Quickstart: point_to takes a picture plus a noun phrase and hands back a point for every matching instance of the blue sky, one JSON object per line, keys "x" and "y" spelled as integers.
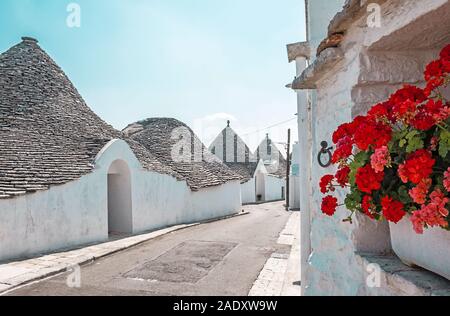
{"x": 200, "y": 61}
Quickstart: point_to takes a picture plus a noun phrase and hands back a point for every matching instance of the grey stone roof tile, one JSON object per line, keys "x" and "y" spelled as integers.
{"x": 48, "y": 134}
{"x": 203, "y": 169}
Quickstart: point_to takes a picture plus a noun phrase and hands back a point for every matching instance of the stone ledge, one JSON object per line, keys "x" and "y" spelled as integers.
{"x": 301, "y": 49}
{"x": 318, "y": 69}
{"x": 402, "y": 279}
{"x": 351, "y": 12}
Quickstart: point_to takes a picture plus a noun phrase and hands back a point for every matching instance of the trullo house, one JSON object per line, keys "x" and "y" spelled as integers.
{"x": 262, "y": 174}
{"x": 68, "y": 178}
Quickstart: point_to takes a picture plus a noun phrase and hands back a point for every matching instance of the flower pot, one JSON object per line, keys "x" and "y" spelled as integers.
{"x": 430, "y": 251}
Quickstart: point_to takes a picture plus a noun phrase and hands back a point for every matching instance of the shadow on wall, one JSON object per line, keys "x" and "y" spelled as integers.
{"x": 120, "y": 219}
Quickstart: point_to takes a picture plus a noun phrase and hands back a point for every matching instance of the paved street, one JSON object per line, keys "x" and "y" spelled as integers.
{"x": 218, "y": 258}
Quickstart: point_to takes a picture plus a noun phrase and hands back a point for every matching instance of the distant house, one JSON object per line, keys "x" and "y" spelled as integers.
{"x": 68, "y": 178}
{"x": 275, "y": 164}
{"x": 261, "y": 174}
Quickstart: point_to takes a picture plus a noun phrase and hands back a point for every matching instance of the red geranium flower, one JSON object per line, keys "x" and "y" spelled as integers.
{"x": 325, "y": 184}
{"x": 367, "y": 206}
{"x": 372, "y": 134}
{"x": 381, "y": 111}
{"x": 368, "y": 180}
{"x": 344, "y": 149}
{"x": 418, "y": 166}
{"x": 419, "y": 193}
{"x": 445, "y": 53}
{"x": 406, "y": 100}
{"x": 342, "y": 176}
{"x": 329, "y": 205}
{"x": 392, "y": 210}
{"x": 345, "y": 130}
{"x": 434, "y": 70}
{"x": 431, "y": 113}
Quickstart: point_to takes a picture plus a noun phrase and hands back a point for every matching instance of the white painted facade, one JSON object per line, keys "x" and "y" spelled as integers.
{"x": 77, "y": 213}
{"x": 294, "y": 179}
{"x": 275, "y": 188}
{"x": 248, "y": 191}
{"x": 374, "y": 63}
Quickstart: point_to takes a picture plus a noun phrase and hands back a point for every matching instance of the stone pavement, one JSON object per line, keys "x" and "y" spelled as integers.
{"x": 281, "y": 273}
{"x": 14, "y": 274}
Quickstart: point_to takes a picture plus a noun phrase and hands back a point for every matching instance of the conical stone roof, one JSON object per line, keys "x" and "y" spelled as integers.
{"x": 267, "y": 151}
{"x": 199, "y": 168}
{"x": 243, "y": 163}
{"x": 48, "y": 135}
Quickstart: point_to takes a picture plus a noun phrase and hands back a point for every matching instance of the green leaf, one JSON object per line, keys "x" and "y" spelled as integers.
{"x": 414, "y": 144}
{"x": 403, "y": 143}
{"x": 403, "y": 195}
{"x": 444, "y": 144}
{"x": 359, "y": 161}
{"x": 415, "y": 141}
{"x": 353, "y": 200}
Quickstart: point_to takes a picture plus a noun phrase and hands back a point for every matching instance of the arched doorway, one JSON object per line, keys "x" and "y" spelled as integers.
{"x": 260, "y": 182}
{"x": 119, "y": 198}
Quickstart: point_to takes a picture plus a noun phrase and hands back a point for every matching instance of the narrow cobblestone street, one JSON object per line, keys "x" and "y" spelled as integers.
{"x": 218, "y": 258}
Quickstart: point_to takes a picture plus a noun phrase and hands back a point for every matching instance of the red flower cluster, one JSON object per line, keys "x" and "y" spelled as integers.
{"x": 406, "y": 101}
{"x": 436, "y": 71}
{"x": 392, "y": 210}
{"x": 372, "y": 134}
{"x": 433, "y": 214}
{"x": 430, "y": 114}
{"x": 370, "y": 154}
{"x": 342, "y": 176}
{"x": 367, "y": 206}
{"x": 365, "y": 132}
{"x": 326, "y": 184}
{"x": 418, "y": 166}
{"x": 420, "y": 192}
{"x": 329, "y": 205}
{"x": 344, "y": 149}
{"x": 368, "y": 180}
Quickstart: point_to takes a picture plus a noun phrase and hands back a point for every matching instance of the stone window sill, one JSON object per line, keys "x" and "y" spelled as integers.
{"x": 401, "y": 279}
{"x": 318, "y": 69}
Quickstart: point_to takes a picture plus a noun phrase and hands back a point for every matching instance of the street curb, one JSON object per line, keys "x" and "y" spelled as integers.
{"x": 90, "y": 260}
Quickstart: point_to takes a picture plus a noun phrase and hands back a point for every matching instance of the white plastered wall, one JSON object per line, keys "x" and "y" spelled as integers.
{"x": 248, "y": 191}
{"x": 77, "y": 213}
{"x": 274, "y": 188}
{"x": 348, "y": 90}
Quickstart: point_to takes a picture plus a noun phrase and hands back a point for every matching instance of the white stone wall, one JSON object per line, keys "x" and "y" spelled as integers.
{"x": 320, "y": 12}
{"x": 274, "y": 187}
{"x": 376, "y": 62}
{"x": 248, "y": 191}
{"x": 77, "y": 213}
{"x": 63, "y": 216}
{"x": 294, "y": 179}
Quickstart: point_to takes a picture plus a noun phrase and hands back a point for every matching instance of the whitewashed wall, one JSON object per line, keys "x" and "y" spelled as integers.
{"x": 376, "y": 62}
{"x": 63, "y": 216}
{"x": 294, "y": 179}
{"x": 77, "y": 213}
{"x": 274, "y": 186}
{"x": 248, "y": 190}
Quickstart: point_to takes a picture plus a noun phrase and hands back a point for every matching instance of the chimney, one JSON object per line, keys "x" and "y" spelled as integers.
{"x": 27, "y": 39}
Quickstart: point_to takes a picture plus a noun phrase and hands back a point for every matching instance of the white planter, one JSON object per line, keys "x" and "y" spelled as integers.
{"x": 430, "y": 251}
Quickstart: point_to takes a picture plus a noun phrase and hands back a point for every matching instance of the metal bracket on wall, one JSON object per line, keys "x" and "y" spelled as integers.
{"x": 325, "y": 151}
